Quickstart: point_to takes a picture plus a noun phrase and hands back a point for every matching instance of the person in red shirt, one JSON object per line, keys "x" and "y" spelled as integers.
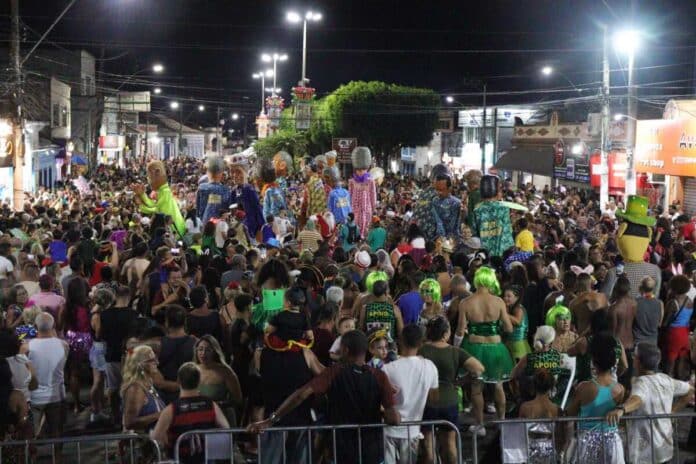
{"x": 356, "y": 395}
{"x": 687, "y": 227}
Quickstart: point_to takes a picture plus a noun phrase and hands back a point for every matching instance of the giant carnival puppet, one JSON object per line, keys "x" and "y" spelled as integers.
{"x": 339, "y": 198}
{"x": 314, "y": 196}
{"x": 362, "y": 188}
{"x": 244, "y": 194}
{"x": 633, "y": 237}
{"x": 437, "y": 210}
{"x": 282, "y": 163}
{"x": 165, "y": 202}
{"x": 492, "y": 219}
{"x": 213, "y": 198}
{"x": 272, "y": 196}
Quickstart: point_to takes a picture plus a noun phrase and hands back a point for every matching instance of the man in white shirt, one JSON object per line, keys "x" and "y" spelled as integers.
{"x": 48, "y": 355}
{"x": 6, "y": 266}
{"x": 414, "y": 378}
{"x": 652, "y": 393}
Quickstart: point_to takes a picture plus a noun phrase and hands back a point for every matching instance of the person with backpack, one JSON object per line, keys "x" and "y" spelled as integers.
{"x": 349, "y": 234}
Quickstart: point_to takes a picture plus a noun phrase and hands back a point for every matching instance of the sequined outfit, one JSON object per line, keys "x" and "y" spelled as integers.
{"x": 165, "y": 204}
{"x": 245, "y": 195}
{"x": 541, "y": 449}
{"x": 79, "y": 336}
{"x": 599, "y": 442}
{"x": 363, "y": 200}
{"x": 492, "y": 225}
{"x": 212, "y": 199}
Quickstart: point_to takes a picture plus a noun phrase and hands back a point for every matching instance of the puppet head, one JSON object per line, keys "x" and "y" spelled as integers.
{"x": 156, "y": 174}
{"x": 378, "y": 175}
{"x": 330, "y": 176}
{"x": 265, "y": 171}
{"x": 489, "y": 186}
{"x": 320, "y": 161}
{"x": 215, "y": 168}
{"x": 362, "y": 159}
{"x": 635, "y": 232}
{"x": 239, "y": 168}
{"x": 331, "y": 158}
{"x": 282, "y": 162}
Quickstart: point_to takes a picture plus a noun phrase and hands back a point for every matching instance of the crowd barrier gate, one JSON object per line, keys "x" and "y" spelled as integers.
{"x": 219, "y": 444}
{"x": 116, "y": 448}
{"x": 513, "y": 450}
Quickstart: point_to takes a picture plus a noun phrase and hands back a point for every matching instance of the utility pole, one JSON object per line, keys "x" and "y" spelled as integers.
{"x": 181, "y": 129}
{"x": 18, "y": 126}
{"x": 604, "y": 154}
{"x": 630, "y": 188}
{"x": 482, "y": 142}
{"x": 218, "y": 135}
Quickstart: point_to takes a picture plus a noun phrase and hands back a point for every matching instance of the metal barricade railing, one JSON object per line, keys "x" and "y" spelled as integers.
{"x": 515, "y": 441}
{"x": 126, "y": 448}
{"x": 282, "y": 445}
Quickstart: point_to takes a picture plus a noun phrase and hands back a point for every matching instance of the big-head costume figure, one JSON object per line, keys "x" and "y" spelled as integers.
{"x": 165, "y": 203}
{"x": 213, "y": 198}
{"x": 244, "y": 194}
{"x": 437, "y": 210}
{"x": 633, "y": 237}
{"x": 282, "y": 163}
{"x": 362, "y": 189}
{"x": 272, "y": 197}
{"x": 339, "y": 198}
{"x": 314, "y": 196}
{"x": 491, "y": 219}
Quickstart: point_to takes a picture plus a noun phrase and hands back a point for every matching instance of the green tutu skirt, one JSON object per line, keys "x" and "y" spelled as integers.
{"x": 518, "y": 349}
{"x": 495, "y": 357}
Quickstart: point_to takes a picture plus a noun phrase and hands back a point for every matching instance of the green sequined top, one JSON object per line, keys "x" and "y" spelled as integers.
{"x": 484, "y": 329}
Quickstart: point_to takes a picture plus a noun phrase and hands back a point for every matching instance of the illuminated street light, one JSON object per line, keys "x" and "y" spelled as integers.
{"x": 157, "y": 90}
{"x": 235, "y": 116}
{"x": 577, "y": 149}
{"x": 547, "y": 70}
{"x": 201, "y": 108}
{"x": 618, "y": 117}
{"x": 295, "y": 17}
{"x": 449, "y": 99}
{"x": 275, "y": 57}
{"x": 174, "y": 105}
{"x": 626, "y": 41}
{"x": 262, "y": 75}
{"x": 157, "y": 68}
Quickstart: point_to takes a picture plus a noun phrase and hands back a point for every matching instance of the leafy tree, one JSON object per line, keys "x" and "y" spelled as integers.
{"x": 295, "y": 143}
{"x": 382, "y": 116}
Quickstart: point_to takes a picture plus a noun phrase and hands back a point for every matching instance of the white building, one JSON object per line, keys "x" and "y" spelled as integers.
{"x": 60, "y": 110}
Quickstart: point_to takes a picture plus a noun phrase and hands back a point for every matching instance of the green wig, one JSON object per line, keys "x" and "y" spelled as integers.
{"x": 556, "y": 311}
{"x": 431, "y": 287}
{"x": 373, "y": 277}
{"x": 485, "y": 278}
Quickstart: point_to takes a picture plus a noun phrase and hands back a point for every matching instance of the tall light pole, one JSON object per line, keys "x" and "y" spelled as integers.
{"x": 275, "y": 57}
{"x": 626, "y": 42}
{"x": 604, "y": 153}
{"x": 176, "y": 106}
{"x": 295, "y": 17}
{"x": 262, "y": 75}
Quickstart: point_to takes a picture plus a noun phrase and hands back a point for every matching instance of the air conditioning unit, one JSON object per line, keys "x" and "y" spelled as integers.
{"x": 594, "y": 124}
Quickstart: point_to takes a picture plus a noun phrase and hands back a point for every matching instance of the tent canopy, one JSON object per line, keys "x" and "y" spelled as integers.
{"x": 534, "y": 159}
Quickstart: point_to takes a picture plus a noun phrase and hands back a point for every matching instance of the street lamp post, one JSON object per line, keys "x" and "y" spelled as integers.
{"x": 262, "y": 75}
{"x": 267, "y": 58}
{"x": 626, "y": 43}
{"x": 175, "y": 105}
{"x": 294, "y": 17}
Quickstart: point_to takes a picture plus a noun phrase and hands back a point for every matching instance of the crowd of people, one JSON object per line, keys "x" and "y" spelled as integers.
{"x": 234, "y": 293}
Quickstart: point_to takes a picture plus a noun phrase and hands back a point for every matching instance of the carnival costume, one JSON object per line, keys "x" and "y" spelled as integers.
{"x": 213, "y": 198}
{"x": 517, "y": 340}
{"x": 165, "y": 203}
{"x": 492, "y": 220}
{"x": 246, "y": 196}
{"x": 437, "y": 216}
{"x": 282, "y": 163}
{"x": 339, "y": 198}
{"x": 495, "y": 357}
{"x": 272, "y": 196}
{"x": 314, "y": 197}
{"x": 362, "y": 188}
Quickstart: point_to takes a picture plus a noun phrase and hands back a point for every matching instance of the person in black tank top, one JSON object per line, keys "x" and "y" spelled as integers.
{"x": 189, "y": 412}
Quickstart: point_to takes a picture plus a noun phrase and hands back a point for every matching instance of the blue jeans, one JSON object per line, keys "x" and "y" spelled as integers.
{"x": 296, "y": 447}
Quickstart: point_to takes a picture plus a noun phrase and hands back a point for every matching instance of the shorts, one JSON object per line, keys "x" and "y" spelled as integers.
{"x": 97, "y": 359}
{"x": 677, "y": 343}
{"x": 446, "y": 413}
{"x": 113, "y": 376}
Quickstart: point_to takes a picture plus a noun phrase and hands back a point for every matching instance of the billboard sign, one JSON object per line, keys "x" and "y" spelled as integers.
{"x": 666, "y": 147}
{"x": 344, "y": 147}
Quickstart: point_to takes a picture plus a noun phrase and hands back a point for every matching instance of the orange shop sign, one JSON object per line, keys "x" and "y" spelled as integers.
{"x": 666, "y": 147}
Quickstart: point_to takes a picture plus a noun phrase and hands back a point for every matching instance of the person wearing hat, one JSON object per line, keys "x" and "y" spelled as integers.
{"x": 338, "y": 201}
{"x": 213, "y": 198}
{"x": 437, "y": 210}
{"x": 492, "y": 222}
{"x": 244, "y": 195}
{"x": 362, "y": 188}
{"x": 633, "y": 237}
{"x": 314, "y": 196}
{"x": 165, "y": 203}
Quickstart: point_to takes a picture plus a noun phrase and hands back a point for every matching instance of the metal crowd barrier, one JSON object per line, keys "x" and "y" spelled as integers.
{"x": 126, "y": 448}
{"x": 514, "y": 436}
{"x": 300, "y": 445}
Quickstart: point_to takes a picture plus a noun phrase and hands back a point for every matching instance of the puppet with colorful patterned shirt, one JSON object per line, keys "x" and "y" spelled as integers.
{"x": 492, "y": 220}
{"x": 165, "y": 203}
{"x": 362, "y": 189}
{"x": 282, "y": 163}
{"x": 272, "y": 197}
{"x": 314, "y": 197}
{"x": 244, "y": 194}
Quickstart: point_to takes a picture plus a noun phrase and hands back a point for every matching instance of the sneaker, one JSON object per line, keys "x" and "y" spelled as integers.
{"x": 490, "y": 408}
{"x": 479, "y": 430}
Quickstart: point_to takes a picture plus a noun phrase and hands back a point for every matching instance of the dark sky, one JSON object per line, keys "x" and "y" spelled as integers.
{"x": 211, "y": 47}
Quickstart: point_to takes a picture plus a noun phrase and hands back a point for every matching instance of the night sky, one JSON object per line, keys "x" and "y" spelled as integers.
{"x": 210, "y": 48}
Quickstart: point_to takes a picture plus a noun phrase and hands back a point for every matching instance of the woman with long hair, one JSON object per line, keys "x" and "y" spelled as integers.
{"x": 442, "y": 275}
{"x": 141, "y": 402}
{"x": 13, "y": 417}
{"x": 78, "y": 333}
{"x": 517, "y": 340}
{"x": 103, "y": 300}
{"x": 484, "y": 317}
{"x": 193, "y": 222}
{"x": 218, "y": 380}
{"x": 17, "y": 298}
{"x": 599, "y": 324}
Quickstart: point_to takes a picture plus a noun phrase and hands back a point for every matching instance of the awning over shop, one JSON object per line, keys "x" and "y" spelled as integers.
{"x": 531, "y": 159}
